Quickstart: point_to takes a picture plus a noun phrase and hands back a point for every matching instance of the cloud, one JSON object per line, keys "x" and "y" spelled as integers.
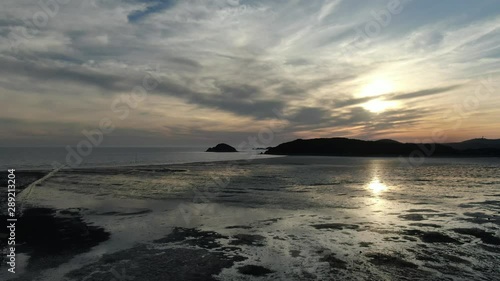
{"x": 156, "y": 6}
{"x": 426, "y": 40}
{"x": 60, "y": 74}
{"x": 234, "y": 64}
{"x": 310, "y": 115}
{"x": 424, "y": 93}
{"x": 350, "y": 102}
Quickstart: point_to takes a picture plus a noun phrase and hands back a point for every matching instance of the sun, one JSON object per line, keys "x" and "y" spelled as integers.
{"x": 378, "y": 87}
{"x": 378, "y": 106}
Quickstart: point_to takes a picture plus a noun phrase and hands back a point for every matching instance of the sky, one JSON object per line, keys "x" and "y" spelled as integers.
{"x": 193, "y": 72}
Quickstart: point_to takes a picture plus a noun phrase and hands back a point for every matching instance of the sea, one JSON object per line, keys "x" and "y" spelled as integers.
{"x": 43, "y": 158}
{"x": 292, "y": 217}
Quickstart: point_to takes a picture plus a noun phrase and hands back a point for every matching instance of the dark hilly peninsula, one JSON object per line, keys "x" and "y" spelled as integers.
{"x": 385, "y": 147}
{"x": 476, "y": 144}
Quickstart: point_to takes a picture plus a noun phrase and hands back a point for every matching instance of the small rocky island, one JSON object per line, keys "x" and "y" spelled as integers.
{"x": 222, "y": 147}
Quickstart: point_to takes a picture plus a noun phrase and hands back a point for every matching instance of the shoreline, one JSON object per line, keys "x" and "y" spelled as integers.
{"x": 142, "y": 165}
{"x": 271, "y": 156}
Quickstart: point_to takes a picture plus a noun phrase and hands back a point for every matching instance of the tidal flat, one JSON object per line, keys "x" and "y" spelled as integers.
{"x": 285, "y": 218}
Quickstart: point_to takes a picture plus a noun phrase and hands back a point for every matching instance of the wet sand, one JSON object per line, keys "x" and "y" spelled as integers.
{"x": 291, "y": 218}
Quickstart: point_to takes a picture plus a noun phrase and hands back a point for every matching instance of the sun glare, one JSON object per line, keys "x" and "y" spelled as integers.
{"x": 376, "y": 186}
{"x": 377, "y": 87}
{"x": 377, "y": 106}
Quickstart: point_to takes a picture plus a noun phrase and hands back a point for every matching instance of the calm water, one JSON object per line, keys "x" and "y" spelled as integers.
{"x": 43, "y": 157}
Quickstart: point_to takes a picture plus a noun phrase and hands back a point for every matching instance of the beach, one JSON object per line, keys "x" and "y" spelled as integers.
{"x": 286, "y": 218}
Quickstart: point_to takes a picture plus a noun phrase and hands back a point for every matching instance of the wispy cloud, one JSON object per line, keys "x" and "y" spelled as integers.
{"x": 153, "y": 6}
{"x": 423, "y": 93}
{"x": 231, "y": 65}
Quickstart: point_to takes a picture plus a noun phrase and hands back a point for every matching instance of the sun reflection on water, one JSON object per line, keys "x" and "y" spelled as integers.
{"x": 376, "y": 186}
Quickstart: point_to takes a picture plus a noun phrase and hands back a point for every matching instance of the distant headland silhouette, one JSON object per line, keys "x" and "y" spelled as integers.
{"x": 386, "y": 147}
